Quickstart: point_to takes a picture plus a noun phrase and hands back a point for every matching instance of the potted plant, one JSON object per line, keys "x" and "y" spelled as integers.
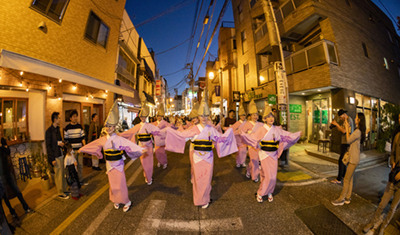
{"x": 43, "y": 165}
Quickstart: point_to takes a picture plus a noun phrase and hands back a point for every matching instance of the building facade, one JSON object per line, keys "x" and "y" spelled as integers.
{"x": 341, "y": 54}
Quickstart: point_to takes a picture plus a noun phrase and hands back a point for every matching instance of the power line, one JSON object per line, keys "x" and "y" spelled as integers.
{"x": 209, "y": 24}
{"x": 172, "y": 9}
{"x": 193, "y": 31}
{"x": 174, "y": 46}
{"x": 164, "y": 75}
{"x": 389, "y": 13}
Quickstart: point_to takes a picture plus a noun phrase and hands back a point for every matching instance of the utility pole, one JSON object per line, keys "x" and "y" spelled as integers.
{"x": 191, "y": 83}
{"x": 221, "y": 95}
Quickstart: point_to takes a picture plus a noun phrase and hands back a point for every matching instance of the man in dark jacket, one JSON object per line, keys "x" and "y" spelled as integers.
{"x": 6, "y": 178}
{"x": 55, "y": 155}
{"x": 4, "y": 228}
{"x": 93, "y": 135}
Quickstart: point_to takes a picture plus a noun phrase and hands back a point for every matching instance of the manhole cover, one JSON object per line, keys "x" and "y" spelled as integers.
{"x": 322, "y": 222}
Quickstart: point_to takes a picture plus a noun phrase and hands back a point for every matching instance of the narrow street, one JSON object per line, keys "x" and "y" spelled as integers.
{"x": 166, "y": 207}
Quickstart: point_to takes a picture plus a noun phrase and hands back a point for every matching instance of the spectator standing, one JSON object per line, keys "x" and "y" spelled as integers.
{"x": 93, "y": 135}
{"x": 54, "y": 145}
{"x": 344, "y": 146}
{"x": 74, "y": 134}
{"x": 136, "y": 120}
{"x": 230, "y": 120}
{"x": 4, "y": 228}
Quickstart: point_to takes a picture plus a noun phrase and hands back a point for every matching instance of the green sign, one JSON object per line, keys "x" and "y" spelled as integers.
{"x": 295, "y": 108}
{"x": 316, "y": 116}
{"x": 324, "y": 116}
{"x": 271, "y": 99}
{"x": 294, "y": 117}
{"x": 253, "y": 95}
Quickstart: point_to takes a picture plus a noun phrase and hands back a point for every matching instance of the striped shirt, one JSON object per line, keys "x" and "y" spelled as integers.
{"x": 74, "y": 134}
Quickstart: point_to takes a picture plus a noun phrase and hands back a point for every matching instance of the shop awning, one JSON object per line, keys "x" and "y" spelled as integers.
{"x": 12, "y": 60}
{"x": 132, "y": 100}
{"x": 149, "y": 98}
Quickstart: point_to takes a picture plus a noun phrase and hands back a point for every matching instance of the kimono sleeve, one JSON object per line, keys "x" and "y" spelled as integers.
{"x": 287, "y": 139}
{"x": 235, "y": 126}
{"x": 94, "y": 147}
{"x": 131, "y": 149}
{"x": 176, "y": 140}
{"x": 253, "y": 138}
{"x": 226, "y": 143}
{"x": 130, "y": 134}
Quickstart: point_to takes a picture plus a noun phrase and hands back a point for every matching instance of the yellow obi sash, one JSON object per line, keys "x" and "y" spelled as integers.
{"x": 144, "y": 137}
{"x": 269, "y": 145}
{"x": 203, "y": 145}
{"x": 113, "y": 155}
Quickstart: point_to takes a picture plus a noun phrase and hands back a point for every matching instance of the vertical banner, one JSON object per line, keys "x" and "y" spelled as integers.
{"x": 280, "y": 74}
{"x": 217, "y": 90}
{"x": 158, "y": 87}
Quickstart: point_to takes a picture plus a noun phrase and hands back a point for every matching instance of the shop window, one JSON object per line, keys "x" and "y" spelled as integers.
{"x": 14, "y": 116}
{"x": 54, "y": 9}
{"x": 385, "y": 62}
{"x": 367, "y": 102}
{"x": 359, "y": 101}
{"x": 96, "y": 30}
{"x": 365, "y": 50}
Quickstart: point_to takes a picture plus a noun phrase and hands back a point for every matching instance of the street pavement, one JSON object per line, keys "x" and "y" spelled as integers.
{"x": 166, "y": 207}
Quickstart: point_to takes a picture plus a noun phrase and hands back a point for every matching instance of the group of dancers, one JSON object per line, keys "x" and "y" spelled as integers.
{"x": 263, "y": 141}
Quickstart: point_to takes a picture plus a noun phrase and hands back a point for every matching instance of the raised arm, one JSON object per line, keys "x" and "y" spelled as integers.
{"x": 176, "y": 140}
{"x": 94, "y": 147}
{"x": 131, "y": 149}
{"x": 130, "y": 134}
{"x": 253, "y": 138}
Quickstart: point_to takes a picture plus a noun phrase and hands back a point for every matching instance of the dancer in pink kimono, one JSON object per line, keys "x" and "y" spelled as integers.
{"x": 253, "y": 168}
{"x": 145, "y": 133}
{"x": 237, "y": 127}
{"x": 160, "y": 150}
{"x": 115, "y": 149}
{"x": 201, "y": 152}
{"x": 271, "y": 141}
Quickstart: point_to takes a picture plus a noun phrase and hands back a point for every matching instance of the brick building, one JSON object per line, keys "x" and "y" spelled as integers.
{"x": 338, "y": 54}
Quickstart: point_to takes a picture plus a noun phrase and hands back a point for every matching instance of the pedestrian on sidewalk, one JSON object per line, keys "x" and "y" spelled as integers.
{"x": 160, "y": 150}
{"x": 354, "y": 140}
{"x": 391, "y": 190}
{"x": 115, "y": 150}
{"x": 93, "y": 135}
{"x": 72, "y": 173}
{"x": 146, "y": 134}
{"x": 253, "y": 168}
{"x": 74, "y": 134}
{"x": 271, "y": 141}
{"x": 201, "y": 152}
{"x": 242, "y": 148}
{"x": 344, "y": 145}
{"x": 4, "y": 227}
{"x": 7, "y": 178}
{"x": 54, "y": 145}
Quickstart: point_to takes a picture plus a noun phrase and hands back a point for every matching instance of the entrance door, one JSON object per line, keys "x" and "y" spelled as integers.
{"x": 317, "y": 120}
{"x": 98, "y": 109}
{"x": 87, "y": 110}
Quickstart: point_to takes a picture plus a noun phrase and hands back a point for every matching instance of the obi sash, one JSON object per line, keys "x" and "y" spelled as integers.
{"x": 144, "y": 137}
{"x": 203, "y": 145}
{"x": 269, "y": 145}
{"x": 113, "y": 155}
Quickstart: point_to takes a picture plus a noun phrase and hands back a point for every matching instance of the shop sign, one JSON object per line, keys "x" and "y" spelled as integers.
{"x": 324, "y": 116}
{"x": 280, "y": 75}
{"x": 236, "y": 96}
{"x": 202, "y": 84}
{"x": 294, "y": 117}
{"x": 295, "y": 108}
{"x": 217, "y": 90}
{"x": 316, "y": 116}
{"x": 271, "y": 99}
{"x": 252, "y": 95}
{"x": 158, "y": 87}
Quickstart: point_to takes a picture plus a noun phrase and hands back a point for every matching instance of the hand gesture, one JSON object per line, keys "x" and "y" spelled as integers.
{"x": 54, "y": 163}
{"x": 334, "y": 123}
{"x": 346, "y": 124}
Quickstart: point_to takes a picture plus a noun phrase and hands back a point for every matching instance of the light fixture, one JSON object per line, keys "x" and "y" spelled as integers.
{"x": 49, "y": 88}
{"x": 59, "y": 98}
{"x": 106, "y": 91}
{"x": 60, "y": 80}
{"x": 211, "y": 75}
{"x": 319, "y": 89}
{"x": 352, "y": 100}
{"x": 303, "y": 93}
{"x": 27, "y": 87}
{"x": 170, "y": 100}
{"x": 21, "y": 73}
{"x": 262, "y": 78}
{"x": 74, "y": 87}
{"x": 20, "y": 84}
{"x": 87, "y": 98}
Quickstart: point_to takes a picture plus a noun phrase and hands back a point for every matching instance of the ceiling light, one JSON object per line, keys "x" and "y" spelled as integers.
{"x": 87, "y": 98}
{"x": 74, "y": 87}
{"x": 20, "y": 84}
{"x": 21, "y": 73}
{"x": 60, "y": 80}
{"x": 303, "y": 93}
{"x": 106, "y": 91}
{"x": 319, "y": 89}
{"x": 27, "y": 89}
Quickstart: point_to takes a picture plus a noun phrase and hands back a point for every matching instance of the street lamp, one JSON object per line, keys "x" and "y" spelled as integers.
{"x": 211, "y": 75}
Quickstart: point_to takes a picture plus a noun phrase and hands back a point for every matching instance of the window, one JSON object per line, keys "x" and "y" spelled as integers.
{"x": 240, "y": 10}
{"x": 390, "y": 35}
{"x": 234, "y": 44}
{"x": 252, "y": 2}
{"x": 386, "y": 63}
{"x": 246, "y": 69}
{"x": 14, "y": 116}
{"x": 348, "y": 3}
{"x": 244, "y": 43}
{"x": 263, "y": 60}
{"x": 54, "y": 9}
{"x": 96, "y": 30}
{"x": 126, "y": 63}
{"x": 365, "y": 50}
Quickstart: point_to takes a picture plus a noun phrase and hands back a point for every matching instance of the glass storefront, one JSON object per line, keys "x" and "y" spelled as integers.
{"x": 370, "y": 107}
{"x": 319, "y": 116}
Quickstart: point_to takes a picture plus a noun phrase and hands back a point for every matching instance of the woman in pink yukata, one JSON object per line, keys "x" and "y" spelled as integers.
{"x": 242, "y": 148}
{"x": 201, "y": 155}
{"x": 115, "y": 147}
{"x": 253, "y": 168}
{"x": 271, "y": 141}
{"x": 145, "y": 133}
{"x": 160, "y": 150}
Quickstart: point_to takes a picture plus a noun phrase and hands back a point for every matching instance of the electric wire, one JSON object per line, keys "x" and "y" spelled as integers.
{"x": 389, "y": 13}
{"x": 193, "y": 31}
{"x": 209, "y": 23}
{"x": 164, "y": 75}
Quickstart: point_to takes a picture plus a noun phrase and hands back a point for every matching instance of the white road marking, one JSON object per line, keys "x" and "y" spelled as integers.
{"x": 103, "y": 214}
{"x": 151, "y": 222}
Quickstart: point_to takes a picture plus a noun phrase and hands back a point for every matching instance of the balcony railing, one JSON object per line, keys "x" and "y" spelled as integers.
{"x": 286, "y": 8}
{"x": 261, "y": 31}
{"x": 319, "y": 53}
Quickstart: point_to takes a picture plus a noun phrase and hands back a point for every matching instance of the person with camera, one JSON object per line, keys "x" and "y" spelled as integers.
{"x": 344, "y": 146}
